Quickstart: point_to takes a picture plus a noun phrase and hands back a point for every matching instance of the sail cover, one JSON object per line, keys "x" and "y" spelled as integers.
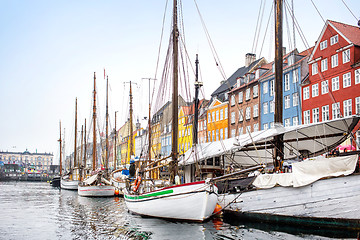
{"x": 300, "y": 141}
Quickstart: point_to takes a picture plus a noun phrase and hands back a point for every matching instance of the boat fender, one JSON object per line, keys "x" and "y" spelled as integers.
{"x": 137, "y": 184}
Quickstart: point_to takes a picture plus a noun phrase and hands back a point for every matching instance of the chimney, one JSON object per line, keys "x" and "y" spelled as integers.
{"x": 249, "y": 59}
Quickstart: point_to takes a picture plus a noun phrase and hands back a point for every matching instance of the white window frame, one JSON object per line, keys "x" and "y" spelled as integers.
{"x": 357, "y": 105}
{"x": 272, "y": 87}
{"x": 295, "y": 97}
{"x": 324, "y": 87}
{"x": 334, "y": 61}
{"x": 265, "y": 108}
{"x": 256, "y": 127}
{"x": 307, "y": 117}
{"x": 357, "y": 76}
{"x": 335, "y": 85}
{"x": 347, "y": 104}
{"x": 255, "y": 110}
{"x": 247, "y": 94}
{"x": 232, "y": 100}
{"x": 232, "y": 117}
{"x": 324, "y": 65}
{"x": 233, "y": 132}
{"x": 295, "y": 76}
{"x": 295, "y": 121}
{"x": 346, "y": 56}
{"x": 248, "y": 113}
{"x": 287, "y": 82}
{"x": 335, "y": 110}
{"x": 287, "y": 101}
{"x": 287, "y": 122}
{"x": 325, "y": 113}
{"x": 334, "y": 39}
{"x": 306, "y": 93}
{"x": 272, "y": 106}
{"x": 315, "y": 115}
{"x": 323, "y": 44}
{"x": 221, "y": 114}
{"x": 347, "y": 80}
{"x": 315, "y": 90}
{"x": 255, "y": 91}
{"x": 241, "y": 96}
{"x": 265, "y": 87}
{"x": 241, "y": 115}
{"x": 314, "y": 68}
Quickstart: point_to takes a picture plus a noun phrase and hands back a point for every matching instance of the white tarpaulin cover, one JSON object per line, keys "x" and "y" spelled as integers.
{"x": 309, "y": 171}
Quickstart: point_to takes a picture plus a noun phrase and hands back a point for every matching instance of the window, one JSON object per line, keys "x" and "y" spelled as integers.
{"x": 357, "y": 76}
{"x": 241, "y": 96}
{"x": 232, "y": 100}
{"x": 323, "y": 45}
{"x": 334, "y": 39}
{"x": 357, "y": 105}
{"x": 221, "y": 134}
{"x": 325, "y": 113}
{"x": 295, "y": 121}
{"x": 232, "y": 117}
{"x": 295, "y": 76}
{"x": 324, "y": 87}
{"x": 209, "y": 136}
{"x": 286, "y": 82}
{"x": 233, "y": 131}
{"x": 226, "y": 113}
{"x": 241, "y": 115}
{"x": 315, "y": 113}
{"x": 346, "y": 55}
{"x": 295, "y": 99}
{"x": 324, "y": 65}
{"x": 336, "y": 110}
{"x": 217, "y": 115}
{"x": 307, "y": 117}
{"x": 256, "y": 111}
{"x": 256, "y": 127}
{"x": 265, "y": 87}
{"x": 335, "y": 84}
{"x": 241, "y": 131}
{"x": 272, "y": 106}
{"x": 272, "y": 90}
{"x": 209, "y": 117}
{"x": 217, "y": 135}
{"x": 265, "y": 126}
{"x": 306, "y": 92}
{"x": 265, "y": 107}
{"x": 247, "y": 94}
{"x": 226, "y": 133}
{"x": 221, "y": 114}
{"x": 287, "y": 122}
{"x": 272, "y": 125}
{"x": 213, "y": 116}
{"x": 255, "y": 91}
{"x": 347, "y": 108}
{"x": 287, "y": 101}
{"x": 315, "y": 90}
{"x": 346, "y": 80}
{"x": 314, "y": 67}
{"x": 334, "y": 61}
{"x": 213, "y": 136}
{"x": 247, "y": 113}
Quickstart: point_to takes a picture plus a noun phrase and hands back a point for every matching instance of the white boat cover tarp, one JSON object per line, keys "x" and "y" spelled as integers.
{"x": 91, "y": 180}
{"x": 312, "y": 139}
{"x": 309, "y": 171}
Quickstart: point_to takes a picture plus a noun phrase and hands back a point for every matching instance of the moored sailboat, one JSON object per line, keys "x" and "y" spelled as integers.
{"x": 96, "y": 185}
{"x": 193, "y": 201}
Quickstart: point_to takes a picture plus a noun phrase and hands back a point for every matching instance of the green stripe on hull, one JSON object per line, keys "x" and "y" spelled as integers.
{"x": 155, "y": 194}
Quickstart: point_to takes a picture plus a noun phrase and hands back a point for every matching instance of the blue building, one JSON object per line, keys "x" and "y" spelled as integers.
{"x": 295, "y": 69}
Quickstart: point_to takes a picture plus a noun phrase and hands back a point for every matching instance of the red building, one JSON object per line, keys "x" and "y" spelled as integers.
{"x": 332, "y": 89}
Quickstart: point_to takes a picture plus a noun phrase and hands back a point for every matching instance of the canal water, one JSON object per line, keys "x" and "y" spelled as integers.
{"x": 35, "y": 210}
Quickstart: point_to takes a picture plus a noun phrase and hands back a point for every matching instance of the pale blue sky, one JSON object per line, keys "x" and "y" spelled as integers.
{"x": 50, "y": 49}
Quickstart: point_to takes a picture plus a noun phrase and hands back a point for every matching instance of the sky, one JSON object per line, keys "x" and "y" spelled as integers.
{"x": 49, "y": 51}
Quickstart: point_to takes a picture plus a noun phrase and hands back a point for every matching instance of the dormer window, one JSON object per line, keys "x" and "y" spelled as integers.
{"x": 238, "y": 82}
{"x": 257, "y": 73}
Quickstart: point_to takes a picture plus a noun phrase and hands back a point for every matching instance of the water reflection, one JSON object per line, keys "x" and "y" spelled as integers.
{"x": 31, "y": 210}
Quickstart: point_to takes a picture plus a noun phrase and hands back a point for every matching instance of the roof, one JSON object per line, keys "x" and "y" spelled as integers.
{"x": 352, "y": 33}
{"x": 231, "y": 81}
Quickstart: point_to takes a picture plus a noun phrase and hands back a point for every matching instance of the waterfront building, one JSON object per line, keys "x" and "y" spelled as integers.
{"x": 333, "y": 87}
{"x": 295, "y": 69}
{"x": 35, "y": 161}
{"x": 217, "y": 120}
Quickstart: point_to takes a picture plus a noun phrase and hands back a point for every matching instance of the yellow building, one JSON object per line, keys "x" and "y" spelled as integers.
{"x": 185, "y": 129}
{"x": 217, "y": 120}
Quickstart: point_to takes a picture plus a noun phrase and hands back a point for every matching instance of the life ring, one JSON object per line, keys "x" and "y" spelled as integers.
{"x": 137, "y": 184}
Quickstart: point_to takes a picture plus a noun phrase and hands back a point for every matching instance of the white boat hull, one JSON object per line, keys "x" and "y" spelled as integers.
{"x": 96, "y": 191}
{"x": 190, "y": 202}
{"x": 69, "y": 184}
{"x": 333, "y": 202}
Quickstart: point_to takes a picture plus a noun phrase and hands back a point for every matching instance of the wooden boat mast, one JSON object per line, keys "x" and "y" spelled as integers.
{"x": 174, "y": 151}
{"x": 196, "y": 105}
{"x": 85, "y": 148}
{"x": 60, "y": 141}
{"x": 81, "y": 152}
{"x": 278, "y": 115}
{"x": 131, "y": 153}
{"x": 107, "y": 127}
{"x": 75, "y": 141}
{"x": 94, "y": 126}
{"x": 115, "y": 164}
